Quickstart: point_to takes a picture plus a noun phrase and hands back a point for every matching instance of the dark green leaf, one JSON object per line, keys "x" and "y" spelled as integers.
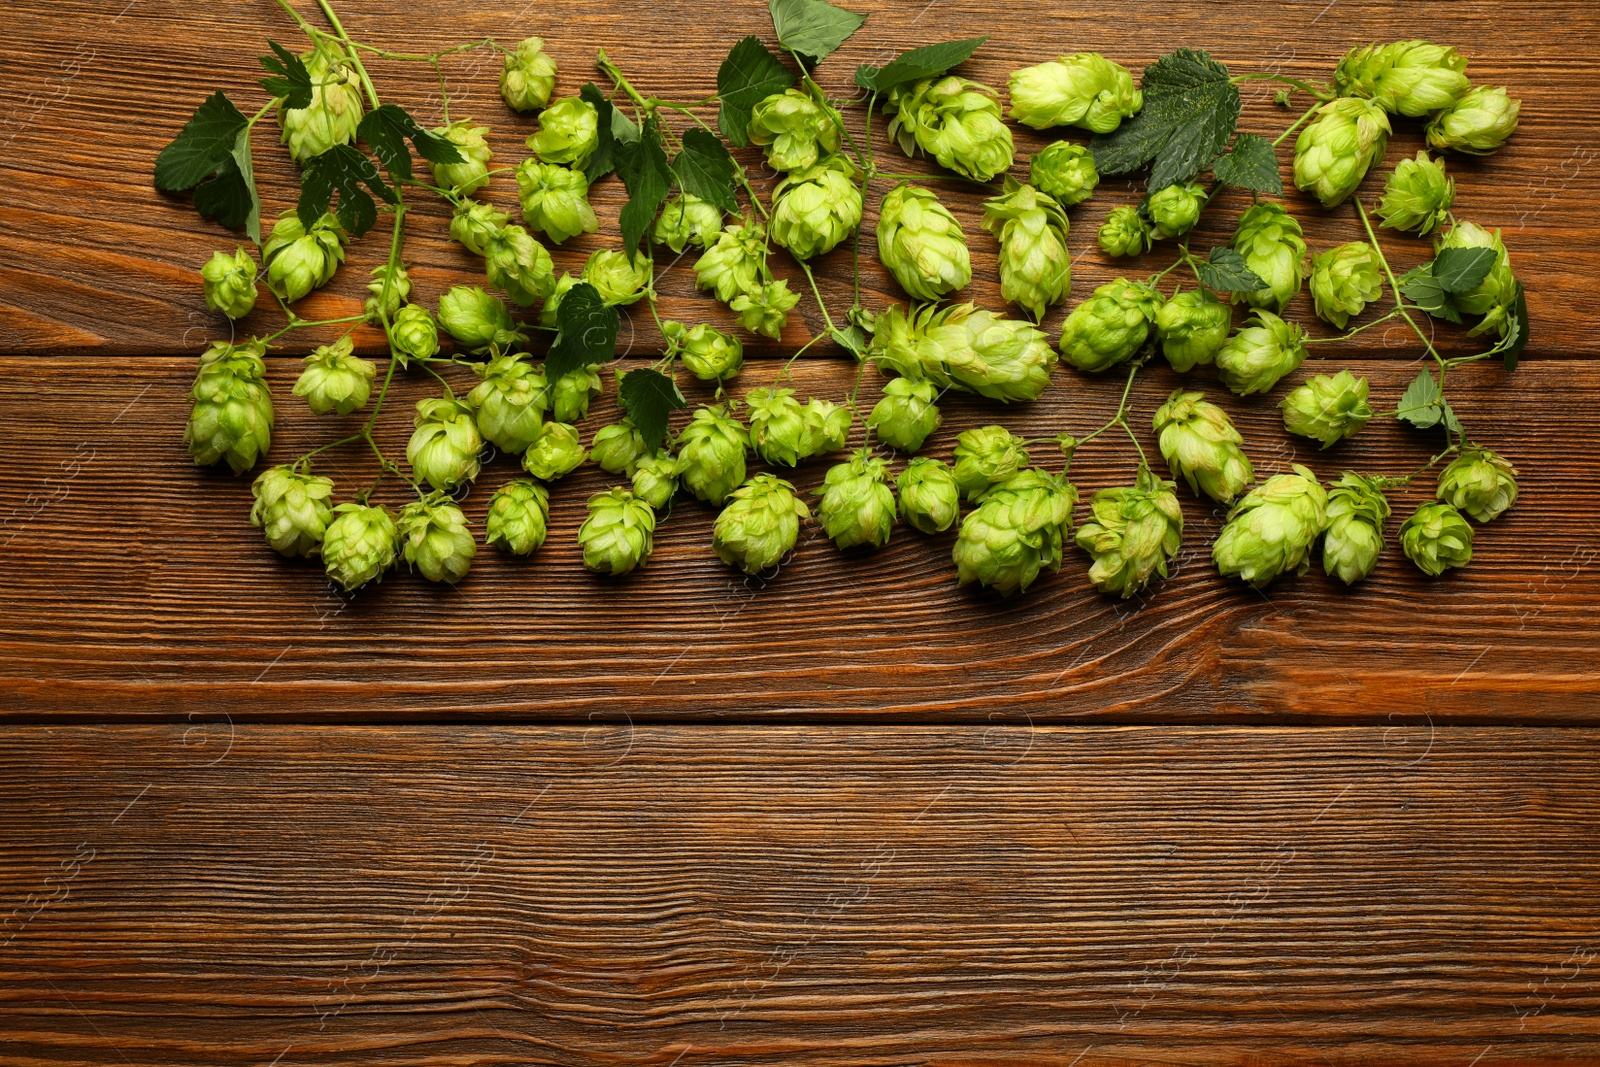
{"x": 1461, "y": 270}
{"x": 204, "y": 146}
{"x": 230, "y": 197}
{"x": 918, "y": 63}
{"x": 1419, "y": 286}
{"x": 604, "y": 160}
{"x": 346, "y": 169}
{"x": 289, "y": 77}
{"x": 705, "y": 169}
{"x": 386, "y": 130}
{"x": 247, "y": 174}
{"x": 1519, "y": 322}
{"x": 812, "y": 28}
{"x": 588, "y": 332}
{"x": 1421, "y": 404}
{"x": 1190, "y": 111}
{"x": 1250, "y": 164}
{"x": 749, "y": 75}
{"x": 1227, "y": 272}
{"x": 851, "y": 338}
{"x": 643, "y": 169}
{"x": 649, "y": 397}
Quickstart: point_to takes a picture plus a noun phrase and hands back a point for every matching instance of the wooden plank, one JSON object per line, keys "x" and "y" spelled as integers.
{"x": 95, "y": 259}
{"x": 136, "y": 586}
{"x": 806, "y": 895}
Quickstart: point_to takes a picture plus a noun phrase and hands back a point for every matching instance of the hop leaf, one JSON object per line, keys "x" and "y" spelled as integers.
{"x": 1190, "y": 111}
{"x": 386, "y": 131}
{"x": 1250, "y": 164}
{"x": 648, "y": 397}
{"x": 704, "y": 168}
{"x": 345, "y": 168}
{"x": 1423, "y": 404}
{"x": 812, "y": 28}
{"x": 615, "y": 131}
{"x": 918, "y": 63}
{"x": 1227, "y": 272}
{"x": 644, "y": 171}
{"x": 749, "y": 75}
{"x": 289, "y": 77}
{"x": 214, "y": 144}
{"x": 588, "y": 332}
{"x": 1461, "y": 270}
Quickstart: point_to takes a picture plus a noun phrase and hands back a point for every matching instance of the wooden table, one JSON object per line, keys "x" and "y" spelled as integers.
{"x": 850, "y": 815}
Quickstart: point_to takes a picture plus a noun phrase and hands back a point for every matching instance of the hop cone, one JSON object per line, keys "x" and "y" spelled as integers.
{"x": 963, "y": 346}
{"x": 734, "y": 263}
{"x": 1480, "y": 483}
{"x": 509, "y": 403}
{"x": 1344, "y": 280}
{"x": 555, "y": 199}
{"x": 765, "y": 310}
{"x": 479, "y": 321}
{"x": 1418, "y": 195}
{"x": 1085, "y": 89}
{"x": 1273, "y": 246}
{"x": 1405, "y": 77}
{"x": 292, "y": 510}
{"x": 1335, "y": 151}
{"x": 1257, "y": 356}
{"x": 1193, "y": 327}
{"x": 300, "y": 260}
{"x": 528, "y": 77}
{"x": 857, "y": 506}
{"x": 618, "y": 279}
{"x": 687, "y": 220}
{"x": 359, "y": 545}
{"x": 1174, "y": 210}
{"x": 777, "y": 426}
{"x": 922, "y": 244}
{"x": 760, "y": 525}
{"x": 444, "y": 447}
{"x": 1478, "y": 124}
{"x": 1111, "y": 326}
{"x": 655, "y": 479}
{"x": 232, "y": 414}
{"x": 335, "y": 379}
{"x": 435, "y": 539}
{"x": 519, "y": 265}
{"x": 413, "y": 334}
{"x": 1327, "y": 408}
{"x": 930, "y": 499}
{"x": 475, "y": 222}
{"x": 618, "y": 534}
{"x": 569, "y": 132}
{"x": 1035, "y": 267}
{"x": 1436, "y": 538}
{"x": 571, "y": 393}
{"x": 335, "y": 109}
{"x": 1064, "y": 170}
{"x": 906, "y": 415}
{"x": 1125, "y": 233}
{"x": 827, "y": 427}
{"x": 472, "y": 172}
{"x": 708, "y": 353}
{"x": 1271, "y": 531}
{"x": 555, "y": 453}
{"x": 711, "y": 454}
{"x": 816, "y": 208}
{"x": 549, "y": 315}
{"x": 1495, "y": 297}
{"x": 618, "y": 447}
{"x": 519, "y": 516}
{"x": 1201, "y": 446}
{"x": 956, "y": 121}
{"x": 386, "y": 293}
{"x": 985, "y": 456}
{"x": 1357, "y": 511}
{"x": 796, "y": 130}
{"x": 1016, "y": 531}
{"x": 1135, "y": 531}
{"x": 230, "y": 283}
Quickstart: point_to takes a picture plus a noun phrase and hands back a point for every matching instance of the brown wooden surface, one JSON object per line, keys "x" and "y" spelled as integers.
{"x": 852, "y": 815}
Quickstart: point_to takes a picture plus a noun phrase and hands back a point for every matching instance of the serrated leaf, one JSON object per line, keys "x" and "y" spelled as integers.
{"x": 1190, "y": 111}
{"x": 649, "y": 397}
{"x": 1250, "y": 164}
{"x": 1461, "y": 270}
{"x": 812, "y": 28}
{"x": 1419, "y": 286}
{"x": 851, "y": 338}
{"x": 288, "y": 77}
{"x": 924, "y": 62}
{"x": 587, "y": 332}
{"x": 1227, "y": 272}
{"x": 1420, "y": 403}
{"x": 386, "y": 130}
{"x": 1519, "y": 321}
{"x": 748, "y": 75}
{"x": 604, "y": 159}
{"x": 644, "y": 171}
{"x": 243, "y": 160}
{"x": 704, "y": 168}
{"x": 203, "y": 147}
{"x": 346, "y": 169}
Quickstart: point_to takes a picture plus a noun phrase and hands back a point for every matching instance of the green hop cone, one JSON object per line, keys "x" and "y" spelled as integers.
{"x": 569, "y": 132}
{"x": 555, "y": 199}
{"x": 1357, "y": 511}
{"x": 509, "y": 403}
{"x": 1477, "y": 124}
{"x": 359, "y": 545}
{"x": 734, "y": 263}
{"x": 528, "y": 77}
{"x": 795, "y": 129}
{"x": 687, "y": 220}
{"x": 1193, "y": 327}
{"x": 1495, "y": 297}
{"x": 413, "y": 334}
{"x": 956, "y": 121}
{"x": 816, "y": 208}
{"x": 1135, "y": 533}
{"x": 387, "y": 293}
{"x": 1258, "y": 355}
{"x": 300, "y": 260}
{"x": 519, "y": 517}
{"x": 930, "y": 499}
{"x": 759, "y": 525}
{"x": 472, "y": 172}
{"x": 335, "y": 109}
{"x": 655, "y": 479}
{"x": 479, "y": 321}
{"x": 475, "y": 222}
{"x": 615, "y": 277}
{"x": 907, "y": 414}
{"x": 555, "y": 453}
{"x": 1175, "y": 209}
{"x": 436, "y": 540}
{"x": 827, "y": 427}
{"x": 711, "y": 454}
{"x": 1202, "y": 446}
{"x": 1327, "y": 407}
{"x": 1085, "y": 89}
{"x": 1418, "y": 195}
{"x": 1016, "y": 531}
{"x": 922, "y": 244}
{"x": 619, "y": 533}
{"x": 1436, "y": 538}
{"x": 1064, "y": 170}
{"x": 571, "y": 393}
{"x": 292, "y": 510}
{"x": 232, "y": 414}
{"x": 444, "y": 447}
{"x": 1274, "y": 247}
{"x": 1111, "y": 326}
{"x": 857, "y": 506}
{"x": 1334, "y": 152}
{"x": 335, "y": 379}
{"x": 549, "y": 315}
{"x": 708, "y": 353}
{"x": 1035, "y": 266}
{"x": 1480, "y": 483}
{"x": 962, "y": 345}
{"x": 519, "y": 265}
{"x": 1271, "y": 531}
{"x": 618, "y": 447}
{"x": 1125, "y": 233}
{"x": 777, "y": 426}
{"x": 1344, "y": 281}
{"x": 766, "y": 310}
{"x": 986, "y": 455}
{"x": 1405, "y": 77}
{"x": 230, "y": 283}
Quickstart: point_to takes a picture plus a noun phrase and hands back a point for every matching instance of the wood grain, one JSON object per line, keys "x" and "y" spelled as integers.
{"x": 725, "y": 895}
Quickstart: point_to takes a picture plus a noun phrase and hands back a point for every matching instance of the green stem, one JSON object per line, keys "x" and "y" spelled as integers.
{"x": 1352, "y": 332}
{"x": 816, "y": 292}
{"x": 620, "y": 80}
{"x": 1394, "y": 285}
{"x": 350, "y": 47}
{"x": 300, "y": 323}
{"x": 1321, "y": 94}
{"x": 785, "y": 371}
{"x": 1295, "y": 125}
{"x": 318, "y": 451}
